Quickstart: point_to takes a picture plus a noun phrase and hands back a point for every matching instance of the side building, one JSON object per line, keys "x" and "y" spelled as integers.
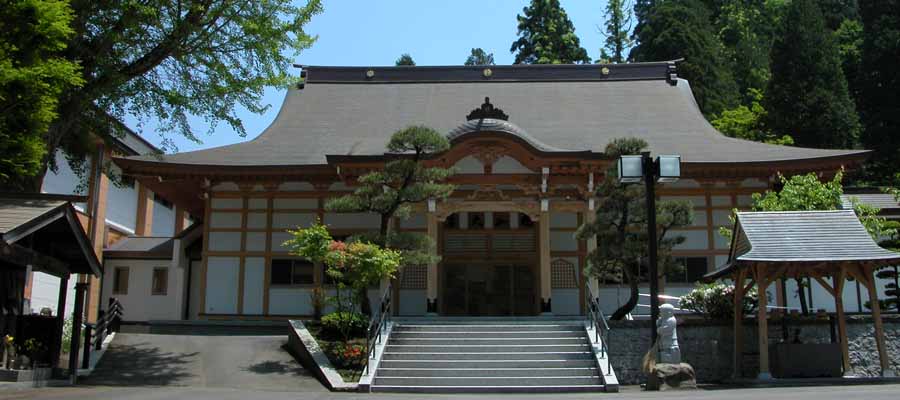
{"x": 527, "y": 145}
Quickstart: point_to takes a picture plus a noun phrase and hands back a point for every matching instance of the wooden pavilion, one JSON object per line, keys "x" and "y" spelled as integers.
{"x": 823, "y": 245}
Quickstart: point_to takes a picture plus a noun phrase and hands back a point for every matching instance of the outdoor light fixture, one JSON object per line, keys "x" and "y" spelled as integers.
{"x": 634, "y": 169}
{"x": 669, "y": 168}
{"x": 631, "y": 169}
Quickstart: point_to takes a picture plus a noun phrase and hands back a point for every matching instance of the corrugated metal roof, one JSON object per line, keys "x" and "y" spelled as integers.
{"x": 808, "y": 236}
{"x": 358, "y": 118}
{"x": 801, "y": 237}
{"x": 884, "y": 201}
{"x": 15, "y": 212}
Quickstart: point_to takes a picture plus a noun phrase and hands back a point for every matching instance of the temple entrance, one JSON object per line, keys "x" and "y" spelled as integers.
{"x": 489, "y": 265}
{"x": 489, "y": 289}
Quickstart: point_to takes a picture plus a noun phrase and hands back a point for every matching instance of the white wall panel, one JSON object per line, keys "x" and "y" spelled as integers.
{"x": 256, "y": 220}
{"x": 352, "y": 220}
{"x": 694, "y": 240}
{"x": 289, "y": 301}
{"x": 292, "y": 220}
{"x": 220, "y": 202}
{"x": 295, "y": 203}
{"x": 278, "y": 238}
{"x": 222, "y": 275}
{"x": 509, "y": 165}
{"x": 254, "y": 274}
{"x": 563, "y": 220}
{"x": 225, "y": 241}
{"x": 563, "y": 241}
{"x": 256, "y": 241}
{"x": 221, "y": 219}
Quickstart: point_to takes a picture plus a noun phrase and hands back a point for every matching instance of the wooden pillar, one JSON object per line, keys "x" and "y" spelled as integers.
{"x": 99, "y": 189}
{"x": 869, "y": 275}
{"x": 839, "y": 278}
{"x": 546, "y": 289}
{"x": 77, "y": 320}
{"x": 431, "y": 288}
{"x": 180, "y": 215}
{"x": 144, "y": 224}
{"x": 762, "y": 283}
{"x": 60, "y": 319}
{"x": 738, "y": 322}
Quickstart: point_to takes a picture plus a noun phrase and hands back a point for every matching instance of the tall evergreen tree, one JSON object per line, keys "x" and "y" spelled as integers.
{"x": 405, "y": 59}
{"x": 642, "y": 10}
{"x": 617, "y": 29}
{"x": 681, "y": 28}
{"x": 480, "y": 57}
{"x": 745, "y": 29}
{"x": 807, "y": 96}
{"x": 880, "y": 85}
{"x": 547, "y": 36}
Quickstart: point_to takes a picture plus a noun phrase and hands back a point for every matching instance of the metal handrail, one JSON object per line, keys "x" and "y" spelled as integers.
{"x": 95, "y": 334}
{"x": 377, "y": 325}
{"x": 597, "y": 320}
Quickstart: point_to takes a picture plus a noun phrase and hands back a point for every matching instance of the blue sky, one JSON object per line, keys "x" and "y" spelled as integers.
{"x": 364, "y": 33}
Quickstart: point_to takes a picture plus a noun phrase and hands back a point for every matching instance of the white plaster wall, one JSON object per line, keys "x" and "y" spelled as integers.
{"x": 353, "y": 220}
{"x": 121, "y": 205}
{"x": 163, "y": 220}
{"x": 222, "y": 285}
{"x": 290, "y": 301}
{"x": 139, "y": 303}
{"x": 565, "y": 302}
{"x": 254, "y": 275}
{"x": 45, "y": 293}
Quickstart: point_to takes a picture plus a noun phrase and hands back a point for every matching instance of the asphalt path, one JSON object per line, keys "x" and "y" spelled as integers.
{"x": 868, "y": 392}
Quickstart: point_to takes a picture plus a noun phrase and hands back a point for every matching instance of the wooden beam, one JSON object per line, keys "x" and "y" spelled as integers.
{"x": 738, "y": 321}
{"x": 762, "y": 322}
{"x": 825, "y": 285}
{"x": 23, "y": 256}
{"x": 144, "y": 223}
{"x": 546, "y": 290}
{"x": 876, "y": 319}
{"x": 839, "y": 279}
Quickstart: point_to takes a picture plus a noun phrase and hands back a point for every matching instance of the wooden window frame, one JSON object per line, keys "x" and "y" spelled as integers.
{"x": 117, "y": 289}
{"x": 294, "y": 264}
{"x": 165, "y": 282}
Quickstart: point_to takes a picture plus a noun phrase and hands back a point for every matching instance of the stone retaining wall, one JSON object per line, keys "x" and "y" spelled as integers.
{"x": 707, "y": 345}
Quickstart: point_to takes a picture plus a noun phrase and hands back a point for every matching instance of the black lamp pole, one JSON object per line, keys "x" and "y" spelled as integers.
{"x": 651, "y": 170}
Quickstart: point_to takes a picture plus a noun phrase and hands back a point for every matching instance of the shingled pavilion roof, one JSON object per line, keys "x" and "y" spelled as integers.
{"x": 342, "y": 111}
{"x": 810, "y": 238}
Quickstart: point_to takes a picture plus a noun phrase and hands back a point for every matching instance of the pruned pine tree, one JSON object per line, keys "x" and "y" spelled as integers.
{"x": 621, "y": 225}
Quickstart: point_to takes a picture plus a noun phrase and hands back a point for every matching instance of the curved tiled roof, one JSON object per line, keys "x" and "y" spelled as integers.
{"x": 577, "y": 108}
{"x": 475, "y": 126}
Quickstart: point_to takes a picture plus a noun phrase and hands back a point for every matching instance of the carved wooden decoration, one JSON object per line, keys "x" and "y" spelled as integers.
{"x": 487, "y": 110}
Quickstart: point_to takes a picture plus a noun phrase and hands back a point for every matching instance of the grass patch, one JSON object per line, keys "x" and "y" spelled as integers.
{"x": 332, "y": 346}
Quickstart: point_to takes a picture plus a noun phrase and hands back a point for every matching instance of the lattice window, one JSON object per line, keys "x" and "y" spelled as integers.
{"x": 562, "y": 274}
{"x": 414, "y": 277}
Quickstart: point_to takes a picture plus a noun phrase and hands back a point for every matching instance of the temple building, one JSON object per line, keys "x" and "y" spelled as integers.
{"x": 527, "y": 145}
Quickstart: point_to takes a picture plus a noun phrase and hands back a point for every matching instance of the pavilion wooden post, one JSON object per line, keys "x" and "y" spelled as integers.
{"x": 144, "y": 222}
{"x": 868, "y": 273}
{"x": 738, "y": 321}
{"x": 839, "y": 279}
{"x": 546, "y": 289}
{"x": 431, "y": 274}
{"x": 762, "y": 282}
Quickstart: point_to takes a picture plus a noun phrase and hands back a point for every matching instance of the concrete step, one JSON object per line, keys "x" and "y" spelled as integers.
{"x": 490, "y": 327}
{"x": 485, "y": 372}
{"x": 500, "y": 334}
{"x": 487, "y": 389}
{"x": 489, "y": 355}
{"x": 435, "y": 341}
{"x": 489, "y": 381}
{"x": 487, "y": 364}
{"x": 488, "y": 348}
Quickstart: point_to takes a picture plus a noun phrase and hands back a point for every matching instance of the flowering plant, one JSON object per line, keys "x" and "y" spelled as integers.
{"x": 716, "y": 300}
{"x": 349, "y": 356}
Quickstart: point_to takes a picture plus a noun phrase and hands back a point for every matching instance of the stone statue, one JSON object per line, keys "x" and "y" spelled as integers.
{"x": 669, "y": 353}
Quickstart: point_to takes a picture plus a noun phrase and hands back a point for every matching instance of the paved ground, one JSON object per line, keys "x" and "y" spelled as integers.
{"x": 245, "y": 362}
{"x": 872, "y": 392}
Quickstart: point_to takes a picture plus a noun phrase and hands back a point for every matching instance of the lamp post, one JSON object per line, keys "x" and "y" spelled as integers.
{"x": 633, "y": 169}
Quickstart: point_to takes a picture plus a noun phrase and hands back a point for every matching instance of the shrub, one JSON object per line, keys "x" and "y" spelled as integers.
{"x": 334, "y": 323}
{"x": 716, "y": 301}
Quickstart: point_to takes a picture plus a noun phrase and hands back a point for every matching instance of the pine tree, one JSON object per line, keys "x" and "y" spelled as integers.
{"x": 480, "y": 57}
{"x": 547, "y": 36}
{"x": 405, "y": 59}
{"x": 616, "y": 29}
{"x": 807, "y": 96}
{"x": 681, "y": 28}
{"x": 621, "y": 226}
{"x": 880, "y": 86}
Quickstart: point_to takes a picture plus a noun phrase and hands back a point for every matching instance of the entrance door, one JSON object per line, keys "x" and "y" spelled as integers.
{"x": 488, "y": 289}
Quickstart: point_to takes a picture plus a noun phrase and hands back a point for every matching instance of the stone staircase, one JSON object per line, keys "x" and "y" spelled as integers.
{"x": 488, "y": 356}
